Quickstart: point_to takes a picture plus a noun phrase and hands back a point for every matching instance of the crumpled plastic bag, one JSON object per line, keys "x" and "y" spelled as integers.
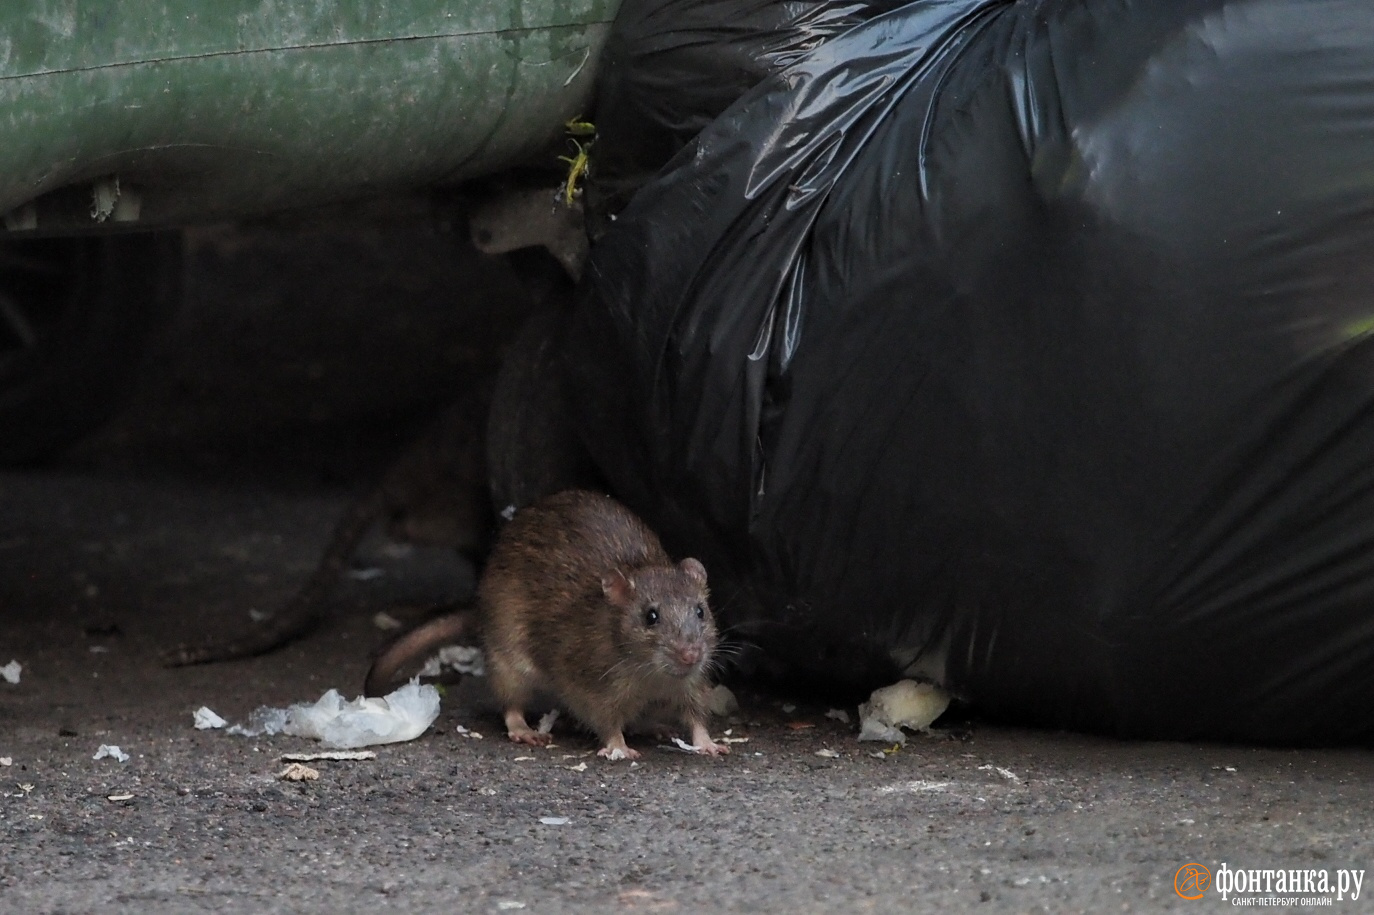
{"x": 400, "y": 716}
{"x": 905, "y": 704}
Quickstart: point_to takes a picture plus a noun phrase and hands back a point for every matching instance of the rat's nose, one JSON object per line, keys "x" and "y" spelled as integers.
{"x": 687, "y": 656}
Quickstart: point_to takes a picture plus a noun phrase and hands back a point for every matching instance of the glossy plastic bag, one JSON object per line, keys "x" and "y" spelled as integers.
{"x": 1027, "y": 348}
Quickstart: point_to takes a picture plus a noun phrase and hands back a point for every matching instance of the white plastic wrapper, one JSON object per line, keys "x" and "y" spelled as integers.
{"x": 464, "y": 659}
{"x": 10, "y": 672}
{"x": 905, "y": 704}
{"x": 262, "y": 721}
{"x": 110, "y": 751}
{"x": 205, "y": 719}
{"x": 403, "y": 715}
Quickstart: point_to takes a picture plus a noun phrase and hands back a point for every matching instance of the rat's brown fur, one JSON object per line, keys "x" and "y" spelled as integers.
{"x": 564, "y": 607}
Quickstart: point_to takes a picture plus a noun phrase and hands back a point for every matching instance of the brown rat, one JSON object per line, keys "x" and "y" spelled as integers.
{"x": 580, "y": 601}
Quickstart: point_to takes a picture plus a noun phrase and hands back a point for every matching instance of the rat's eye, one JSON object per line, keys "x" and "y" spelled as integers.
{"x": 651, "y": 616}
{"x": 701, "y": 612}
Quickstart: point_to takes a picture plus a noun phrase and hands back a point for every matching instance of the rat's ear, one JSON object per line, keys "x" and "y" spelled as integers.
{"x": 619, "y": 589}
{"x": 694, "y": 570}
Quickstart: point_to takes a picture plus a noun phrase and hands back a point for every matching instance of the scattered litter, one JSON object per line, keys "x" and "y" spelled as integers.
{"x": 298, "y": 772}
{"x": 788, "y": 708}
{"x": 828, "y": 753}
{"x": 112, "y": 752}
{"x": 580, "y": 767}
{"x": 523, "y": 758}
{"x": 508, "y": 512}
{"x": 385, "y": 621}
{"x": 906, "y": 704}
{"x": 734, "y": 740}
{"x": 26, "y": 788}
{"x": 99, "y": 649}
{"x": 554, "y": 821}
{"x": 838, "y": 714}
{"x": 1230, "y": 768}
{"x": 403, "y": 715}
{"x": 464, "y": 732}
{"x": 506, "y": 905}
{"x": 915, "y": 787}
{"x": 618, "y": 754}
{"x": 546, "y": 722}
{"x": 367, "y": 574}
{"x": 799, "y": 725}
{"x": 463, "y": 659}
{"x": 6, "y": 761}
{"x": 119, "y": 797}
{"x": 205, "y": 719}
{"x": 685, "y": 746}
{"x": 261, "y": 721}
{"x": 487, "y": 792}
{"x": 721, "y": 702}
{"x": 1186, "y": 821}
{"x": 878, "y": 754}
{"x": 1005, "y": 773}
{"x": 331, "y": 755}
{"x": 11, "y": 671}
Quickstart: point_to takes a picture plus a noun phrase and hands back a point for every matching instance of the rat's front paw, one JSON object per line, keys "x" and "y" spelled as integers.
{"x": 530, "y": 736}
{"x": 615, "y": 754}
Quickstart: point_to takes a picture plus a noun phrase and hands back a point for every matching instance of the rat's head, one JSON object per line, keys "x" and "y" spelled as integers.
{"x": 665, "y": 611}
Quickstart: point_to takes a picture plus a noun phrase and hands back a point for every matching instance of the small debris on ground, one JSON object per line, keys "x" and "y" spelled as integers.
{"x": 467, "y": 660}
{"x": 385, "y": 621}
{"x": 205, "y": 719}
{"x": 464, "y": 732}
{"x": 554, "y": 821}
{"x": 1005, "y": 773}
{"x": 547, "y": 721}
{"x": 799, "y": 725}
{"x": 6, "y": 761}
{"x": 119, "y": 797}
{"x": 10, "y": 672}
{"x": 580, "y": 767}
{"x": 828, "y": 753}
{"x": 905, "y": 704}
{"x": 298, "y": 772}
{"x": 110, "y": 751}
{"x": 838, "y": 714}
{"x": 331, "y": 755}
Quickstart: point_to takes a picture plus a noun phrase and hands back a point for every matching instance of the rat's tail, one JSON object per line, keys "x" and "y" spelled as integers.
{"x": 412, "y": 648}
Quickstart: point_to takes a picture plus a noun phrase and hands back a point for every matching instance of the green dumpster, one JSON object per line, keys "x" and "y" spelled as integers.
{"x": 122, "y": 113}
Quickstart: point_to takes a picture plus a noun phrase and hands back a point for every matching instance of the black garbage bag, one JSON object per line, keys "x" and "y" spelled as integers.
{"x": 1029, "y": 348}
{"x": 671, "y": 66}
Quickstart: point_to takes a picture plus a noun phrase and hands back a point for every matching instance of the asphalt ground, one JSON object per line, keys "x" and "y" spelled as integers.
{"x": 304, "y": 359}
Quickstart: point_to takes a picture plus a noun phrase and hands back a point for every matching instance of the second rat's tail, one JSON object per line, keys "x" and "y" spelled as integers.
{"x": 412, "y": 648}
